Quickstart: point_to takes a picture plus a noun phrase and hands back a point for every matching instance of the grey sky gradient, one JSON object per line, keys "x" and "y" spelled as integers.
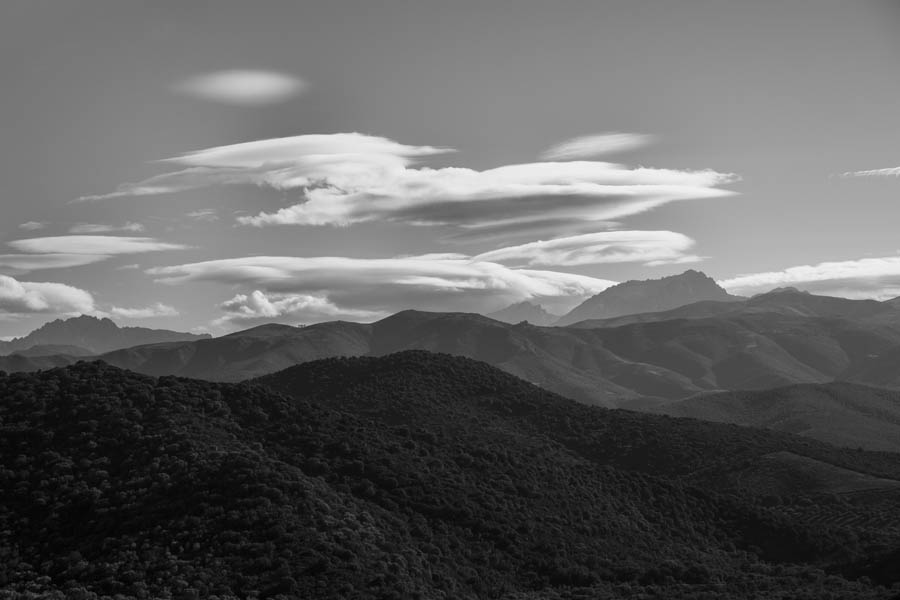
{"x": 790, "y": 96}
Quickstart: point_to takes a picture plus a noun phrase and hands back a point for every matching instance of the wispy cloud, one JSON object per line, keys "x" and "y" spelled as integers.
{"x": 32, "y": 225}
{"x": 299, "y": 162}
{"x": 35, "y": 262}
{"x": 343, "y": 179}
{"x": 242, "y": 87}
{"x": 877, "y": 278}
{"x": 204, "y": 214}
{"x": 148, "y": 312}
{"x": 59, "y": 252}
{"x": 649, "y": 247}
{"x": 28, "y": 297}
{"x": 382, "y": 286}
{"x": 891, "y": 172}
{"x": 597, "y": 145}
{"x": 95, "y": 228}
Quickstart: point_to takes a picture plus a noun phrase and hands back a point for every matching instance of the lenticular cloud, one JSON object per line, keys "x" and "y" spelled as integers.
{"x": 348, "y": 178}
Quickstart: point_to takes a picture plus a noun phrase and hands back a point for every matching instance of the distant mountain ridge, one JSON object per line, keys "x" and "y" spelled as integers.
{"x": 95, "y": 335}
{"x": 524, "y": 311}
{"x": 650, "y": 295}
{"x": 781, "y": 301}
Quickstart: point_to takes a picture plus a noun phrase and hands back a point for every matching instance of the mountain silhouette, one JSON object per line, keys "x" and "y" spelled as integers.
{"x": 651, "y": 295}
{"x": 96, "y": 335}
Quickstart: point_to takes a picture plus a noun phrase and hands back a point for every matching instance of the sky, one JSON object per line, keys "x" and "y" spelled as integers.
{"x": 210, "y": 166}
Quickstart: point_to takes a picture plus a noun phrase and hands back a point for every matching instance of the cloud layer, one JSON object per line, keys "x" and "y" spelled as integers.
{"x": 97, "y": 245}
{"x": 877, "y": 278}
{"x": 242, "y": 87}
{"x": 59, "y": 252}
{"x": 649, "y": 247}
{"x": 317, "y": 288}
{"x": 349, "y": 178}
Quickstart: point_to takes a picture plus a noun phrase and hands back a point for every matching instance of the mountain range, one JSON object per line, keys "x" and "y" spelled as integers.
{"x": 670, "y": 359}
{"x": 419, "y": 475}
{"x": 672, "y": 362}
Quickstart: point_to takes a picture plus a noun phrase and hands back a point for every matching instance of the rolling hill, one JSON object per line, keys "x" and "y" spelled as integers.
{"x": 412, "y": 475}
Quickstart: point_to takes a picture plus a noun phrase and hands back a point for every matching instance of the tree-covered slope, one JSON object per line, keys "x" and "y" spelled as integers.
{"x": 412, "y": 475}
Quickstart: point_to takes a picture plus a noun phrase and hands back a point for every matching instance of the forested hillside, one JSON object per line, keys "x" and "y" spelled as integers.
{"x": 412, "y": 475}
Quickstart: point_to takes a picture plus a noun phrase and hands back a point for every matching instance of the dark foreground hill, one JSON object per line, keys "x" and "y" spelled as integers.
{"x": 843, "y": 414}
{"x": 415, "y": 476}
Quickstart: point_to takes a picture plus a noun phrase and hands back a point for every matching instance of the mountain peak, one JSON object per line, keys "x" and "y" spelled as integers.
{"x": 649, "y": 295}
{"x": 525, "y": 310}
{"x": 785, "y": 290}
{"x": 96, "y": 334}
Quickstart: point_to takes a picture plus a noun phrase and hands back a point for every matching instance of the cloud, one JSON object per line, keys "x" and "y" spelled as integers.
{"x": 893, "y": 172}
{"x": 441, "y": 282}
{"x": 298, "y": 162}
{"x": 94, "y": 228}
{"x": 877, "y": 278}
{"x": 27, "y": 297}
{"x": 32, "y": 225}
{"x": 649, "y": 247}
{"x": 60, "y": 252}
{"x": 516, "y": 195}
{"x": 242, "y": 87}
{"x": 35, "y": 262}
{"x": 247, "y": 310}
{"x": 149, "y": 312}
{"x": 343, "y": 179}
{"x": 97, "y": 245}
{"x": 597, "y": 145}
{"x": 204, "y": 214}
